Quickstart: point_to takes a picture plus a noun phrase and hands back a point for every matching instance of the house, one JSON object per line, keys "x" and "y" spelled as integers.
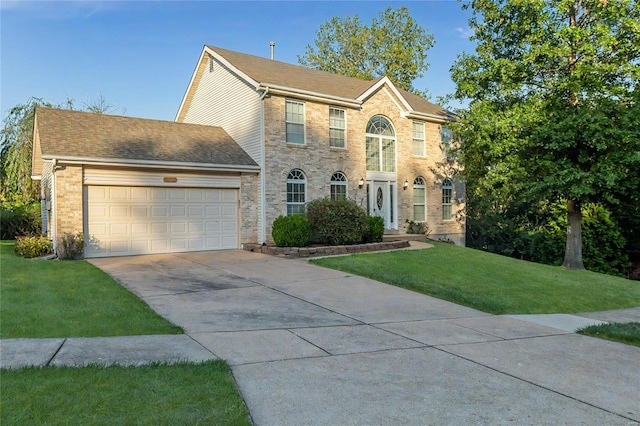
{"x": 254, "y": 139}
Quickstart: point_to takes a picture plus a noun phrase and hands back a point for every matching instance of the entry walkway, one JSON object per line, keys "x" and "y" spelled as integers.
{"x": 309, "y": 345}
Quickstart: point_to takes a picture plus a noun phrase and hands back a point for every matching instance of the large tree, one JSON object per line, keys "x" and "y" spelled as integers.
{"x": 553, "y": 91}
{"x": 393, "y": 45}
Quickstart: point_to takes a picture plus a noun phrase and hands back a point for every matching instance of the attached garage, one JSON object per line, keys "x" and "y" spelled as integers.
{"x": 135, "y": 186}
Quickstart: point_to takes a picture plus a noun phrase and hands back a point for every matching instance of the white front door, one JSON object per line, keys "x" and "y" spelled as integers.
{"x": 379, "y": 201}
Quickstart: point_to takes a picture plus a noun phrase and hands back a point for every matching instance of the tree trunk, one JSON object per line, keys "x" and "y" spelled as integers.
{"x": 573, "y": 251}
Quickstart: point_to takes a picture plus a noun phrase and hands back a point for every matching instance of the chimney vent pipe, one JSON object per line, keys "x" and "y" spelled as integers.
{"x": 272, "y": 44}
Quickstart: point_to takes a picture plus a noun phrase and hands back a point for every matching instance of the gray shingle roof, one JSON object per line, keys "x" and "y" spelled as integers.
{"x": 75, "y": 134}
{"x": 267, "y": 71}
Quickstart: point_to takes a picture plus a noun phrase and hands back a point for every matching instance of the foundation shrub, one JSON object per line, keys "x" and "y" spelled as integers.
{"x": 70, "y": 246}
{"x": 291, "y": 231}
{"x": 375, "y": 231}
{"x": 337, "y": 222}
{"x": 34, "y": 246}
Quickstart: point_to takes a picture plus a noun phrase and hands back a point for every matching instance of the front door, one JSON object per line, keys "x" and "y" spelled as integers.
{"x": 380, "y": 202}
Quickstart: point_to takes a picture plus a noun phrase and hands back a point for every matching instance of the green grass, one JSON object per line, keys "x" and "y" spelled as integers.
{"x": 492, "y": 283}
{"x": 628, "y": 332}
{"x": 50, "y": 298}
{"x": 179, "y": 394}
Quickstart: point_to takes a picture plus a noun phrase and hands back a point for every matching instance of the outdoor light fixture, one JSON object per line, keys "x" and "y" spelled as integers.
{"x": 405, "y": 185}
{"x": 361, "y": 183}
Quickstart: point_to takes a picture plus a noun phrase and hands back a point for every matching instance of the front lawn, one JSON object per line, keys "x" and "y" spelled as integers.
{"x": 51, "y": 298}
{"x": 179, "y": 394}
{"x": 628, "y": 332}
{"x": 490, "y": 282}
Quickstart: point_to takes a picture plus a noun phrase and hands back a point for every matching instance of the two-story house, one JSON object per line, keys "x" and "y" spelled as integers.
{"x": 317, "y": 134}
{"x": 253, "y": 139}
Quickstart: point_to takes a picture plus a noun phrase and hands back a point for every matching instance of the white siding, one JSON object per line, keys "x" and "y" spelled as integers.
{"x": 223, "y": 99}
{"x": 46, "y": 195}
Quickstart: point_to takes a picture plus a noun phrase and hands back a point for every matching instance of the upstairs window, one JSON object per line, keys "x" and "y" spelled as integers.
{"x": 296, "y": 192}
{"x": 338, "y": 186}
{"x": 419, "y": 199}
{"x": 295, "y": 122}
{"x": 446, "y": 136}
{"x": 380, "y": 145}
{"x": 447, "y": 196}
{"x": 418, "y": 139}
{"x": 337, "y": 127}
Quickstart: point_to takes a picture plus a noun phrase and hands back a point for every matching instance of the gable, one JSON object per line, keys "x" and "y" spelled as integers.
{"x": 267, "y": 75}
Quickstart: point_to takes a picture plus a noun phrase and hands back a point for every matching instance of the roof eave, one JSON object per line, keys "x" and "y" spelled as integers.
{"x": 309, "y": 95}
{"x": 417, "y": 115}
{"x": 119, "y": 162}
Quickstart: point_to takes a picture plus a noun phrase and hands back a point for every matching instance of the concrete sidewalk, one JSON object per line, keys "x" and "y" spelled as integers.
{"x": 309, "y": 345}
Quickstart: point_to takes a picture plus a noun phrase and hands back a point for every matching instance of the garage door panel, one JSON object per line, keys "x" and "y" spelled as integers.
{"x": 138, "y": 220}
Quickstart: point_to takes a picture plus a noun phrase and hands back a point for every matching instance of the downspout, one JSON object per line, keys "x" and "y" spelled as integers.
{"x": 54, "y": 219}
{"x": 263, "y": 198}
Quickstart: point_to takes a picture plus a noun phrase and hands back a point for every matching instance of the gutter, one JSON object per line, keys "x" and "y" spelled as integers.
{"x": 155, "y": 164}
{"x": 425, "y": 116}
{"x": 309, "y": 95}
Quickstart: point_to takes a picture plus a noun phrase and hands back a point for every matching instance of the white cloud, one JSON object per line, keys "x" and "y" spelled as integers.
{"x": 465, "y": 32}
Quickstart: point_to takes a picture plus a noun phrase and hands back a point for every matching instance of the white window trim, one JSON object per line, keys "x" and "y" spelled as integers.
{"x": 423, "y": 140}
{"x": 304, "y": 121}
{"x": 344, "y": 129}
{"x": 422, "y": 186}
{"x": 450, "y": 203}
{"x": 295, "y": 181}
{"x": 344, "y": 183}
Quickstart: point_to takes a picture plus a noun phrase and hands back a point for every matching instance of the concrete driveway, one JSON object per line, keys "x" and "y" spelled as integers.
{"x": 314, "y": 346}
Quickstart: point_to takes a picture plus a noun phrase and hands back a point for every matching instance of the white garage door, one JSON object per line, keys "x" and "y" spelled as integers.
{"x": 137, "y": 220}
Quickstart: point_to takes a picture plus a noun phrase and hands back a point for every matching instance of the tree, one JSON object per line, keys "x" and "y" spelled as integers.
{"x": 393, "y": 45}
{"x": 16, "y": 144}
{"x": 554, "y": 105}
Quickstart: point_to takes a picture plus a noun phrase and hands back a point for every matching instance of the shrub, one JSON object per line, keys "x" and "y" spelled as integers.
{"x": 20, "y": 220}
{"x": 375, "y": 231}
{"x": 70, "y": 246}
{"x": 33, "y": 246}
{"x": 291, "y": 231}
{"x": 337, "y": 222}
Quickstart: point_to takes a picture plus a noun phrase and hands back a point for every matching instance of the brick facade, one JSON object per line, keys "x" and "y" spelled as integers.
{"x": 319, "y": 161}
{"x": 68, "y": 199}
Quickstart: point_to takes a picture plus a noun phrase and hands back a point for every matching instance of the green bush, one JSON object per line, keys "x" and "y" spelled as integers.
{"x": 291, "y": 231}
{"x": 337, "y": 222}
{"x": 375, "y": 231}
{"x": 70, "y": 246}
{"x": 33, "y": 246}
{"x": 20, "y": 220}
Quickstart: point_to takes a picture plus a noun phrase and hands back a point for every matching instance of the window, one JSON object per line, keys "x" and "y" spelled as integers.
{"x": 380, "y": 145}
{"x": 338, "y": 186}
{"x": 418, "y": 139}
{"x": 446, "y": 136}
{"x": 295, "y": 122}
{"x": 337, "y": 127}
{"x": 447, "y": 195}
{"x": 419, "y": 199}
{"x": 296, "y": 192}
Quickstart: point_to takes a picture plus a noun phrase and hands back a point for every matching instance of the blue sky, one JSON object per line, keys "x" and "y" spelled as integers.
{"x": 140, "y": 55}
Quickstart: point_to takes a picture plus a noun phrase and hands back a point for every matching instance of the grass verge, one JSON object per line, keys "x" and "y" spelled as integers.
{"x": 179, "y": 394}
{"x": 69, "y": 299}
{"x": 490, "y": 282}
{"x": 628, "y": 332}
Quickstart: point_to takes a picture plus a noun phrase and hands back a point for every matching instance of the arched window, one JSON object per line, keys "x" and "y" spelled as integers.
{"x": 296, "y": 192}
{"x": 447, "y": 196}
{"x": 419, "y": 199}
{"x": 338, "y": 186}
{"x": 380, "y": 145}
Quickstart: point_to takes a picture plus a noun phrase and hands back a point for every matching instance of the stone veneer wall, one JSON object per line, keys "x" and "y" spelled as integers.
{"x": 249, "y": 184}
{"x": 69, "y": 208}
{"x": 319, "y": 161}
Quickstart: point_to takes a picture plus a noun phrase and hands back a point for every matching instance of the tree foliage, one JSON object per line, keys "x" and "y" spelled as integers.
{"x": 16, "y": 144}
{"x": 554, "y": 106}
{"x": 393, "y": 45}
